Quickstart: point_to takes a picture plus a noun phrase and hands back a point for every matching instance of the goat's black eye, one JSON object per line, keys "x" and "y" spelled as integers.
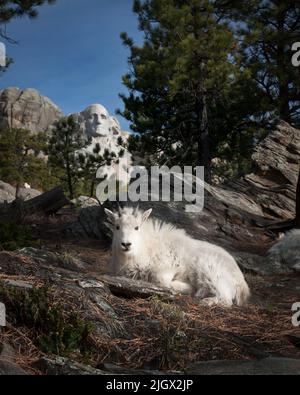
{"x": 118, "y": 227}
{"x": 137, "y": 228}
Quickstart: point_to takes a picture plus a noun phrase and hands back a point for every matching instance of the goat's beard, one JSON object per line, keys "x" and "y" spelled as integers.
{"x": 126, "y": 256}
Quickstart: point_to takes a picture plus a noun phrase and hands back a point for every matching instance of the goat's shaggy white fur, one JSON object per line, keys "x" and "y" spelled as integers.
{"x": 157, "y": 252}
{"x": 287, "y": 250}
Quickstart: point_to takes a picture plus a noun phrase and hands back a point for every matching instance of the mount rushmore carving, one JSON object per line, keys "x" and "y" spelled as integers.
{"x": 28, "y": 109}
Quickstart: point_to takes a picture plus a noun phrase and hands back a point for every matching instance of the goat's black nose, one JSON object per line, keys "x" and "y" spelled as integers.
{"x": 126, "y": 245}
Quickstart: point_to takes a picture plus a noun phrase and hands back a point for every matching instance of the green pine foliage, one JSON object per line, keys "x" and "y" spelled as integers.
{"x": 91, "y": 163}
{"x": 15, "y": 236}
{"x": 209, "y": 79}
{"x": 267, "y": 30}
{"x": 179, "y": 74}
{"x": 10, "y": 9}
{"x": 56, "y": 331}
{"x": 21, "y": 158}
{"x": 64, "y": 157}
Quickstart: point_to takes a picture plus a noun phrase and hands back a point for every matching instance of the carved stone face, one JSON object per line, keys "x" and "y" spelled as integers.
{"x": 96, "y": 121}
{"x": 115, "y": 126}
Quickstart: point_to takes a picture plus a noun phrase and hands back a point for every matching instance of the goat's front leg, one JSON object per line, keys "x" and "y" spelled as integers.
{"x": 182, "y": 287}
{"x": 166, "y": 280}
{"x": 215, "y": 301}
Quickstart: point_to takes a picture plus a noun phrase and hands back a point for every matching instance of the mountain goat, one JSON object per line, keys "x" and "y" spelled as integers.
{"x": 157, "y": 252}
{"x": 287, "y": 250}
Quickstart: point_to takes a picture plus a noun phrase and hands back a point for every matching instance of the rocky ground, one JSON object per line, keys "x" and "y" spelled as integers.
{"x": 65, "y": 316}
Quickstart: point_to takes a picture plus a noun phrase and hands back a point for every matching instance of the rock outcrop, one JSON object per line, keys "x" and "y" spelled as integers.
{"x": 273, "y": 182}
{"x": 8, "y": 193}
{"x": 27, "y": 109}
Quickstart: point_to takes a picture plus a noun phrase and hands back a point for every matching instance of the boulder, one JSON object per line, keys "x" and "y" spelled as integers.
{"x": 7, "y": 365}
{"x": 8, "y": 193}
{"x": 65, "y": 367}
{"x": 11, "y": 369}
{"x": 85, "y": 201}
{"x": 28, "y": 193}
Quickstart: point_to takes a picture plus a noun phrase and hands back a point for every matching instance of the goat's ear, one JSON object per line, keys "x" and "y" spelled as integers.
{"x": 146, "y": 215}
{"x": 110, "y": 216}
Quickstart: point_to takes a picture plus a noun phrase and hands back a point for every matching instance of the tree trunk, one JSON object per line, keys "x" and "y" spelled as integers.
{"x": 203, "y": 140}
{"x": 92, "y": 188}
{"x": 284, "y": 92}
{"x": 297, "y": 222}
{"x": 69, "y": 182}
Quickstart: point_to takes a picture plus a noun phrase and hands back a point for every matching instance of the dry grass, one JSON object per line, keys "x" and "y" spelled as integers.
{"x": 170, "y": 336}
{"x": 186, "y": 332}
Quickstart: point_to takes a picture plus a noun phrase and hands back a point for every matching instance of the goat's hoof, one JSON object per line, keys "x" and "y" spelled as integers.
{"x": 210, "y": 302}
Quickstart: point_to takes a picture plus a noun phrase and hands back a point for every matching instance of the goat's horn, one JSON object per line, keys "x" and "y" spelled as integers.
{"x": 119, "y": 210}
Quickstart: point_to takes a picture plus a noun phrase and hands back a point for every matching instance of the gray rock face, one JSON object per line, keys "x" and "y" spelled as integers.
{"x": 273, "y": 183}
{"x": 8, "y": 193}
{"x": 85, "y": 201}
{"x": 7, "y": 365}
{"x": 27, "y": 109}
{"x": 286, "y": 252}
{"x": 66, "y": 367}
{"x": 265, "y": 367}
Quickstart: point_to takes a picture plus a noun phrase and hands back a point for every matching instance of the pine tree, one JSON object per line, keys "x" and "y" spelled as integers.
{"x": 20, "y": 159}
{"x": 267, "y": 30}
{"x": 64, "y": 146}
{"x": 10, "y": 9}
{"x": 92, "y": 162}
{"x": 176, "y": 76}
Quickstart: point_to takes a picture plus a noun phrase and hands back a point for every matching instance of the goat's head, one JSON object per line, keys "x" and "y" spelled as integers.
{"x": 128, "y": 224}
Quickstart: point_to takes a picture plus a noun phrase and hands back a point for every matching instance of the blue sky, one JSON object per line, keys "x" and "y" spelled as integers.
{"x": 72, "y": 53}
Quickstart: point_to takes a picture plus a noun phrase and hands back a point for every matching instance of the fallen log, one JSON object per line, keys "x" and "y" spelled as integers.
{"x": 130, "y": 289}
{"x": 48, "y": 203}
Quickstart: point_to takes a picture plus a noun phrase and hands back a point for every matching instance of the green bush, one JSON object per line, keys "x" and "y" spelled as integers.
{"x": 56, "y": 331}
{"x": 14, "y": 236}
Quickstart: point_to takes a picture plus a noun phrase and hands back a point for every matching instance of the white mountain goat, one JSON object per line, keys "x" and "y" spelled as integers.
{"x": 157, "y": 252}
{"x": 287, "y": 250}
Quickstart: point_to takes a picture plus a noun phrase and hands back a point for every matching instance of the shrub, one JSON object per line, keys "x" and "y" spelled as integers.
{"x": 56, "y": 330}
{"x": 14, "y": 236}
